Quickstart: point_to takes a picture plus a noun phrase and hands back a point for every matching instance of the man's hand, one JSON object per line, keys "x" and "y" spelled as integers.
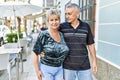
{"x": 94, "y": 68}
{"x": 42, "y": 54}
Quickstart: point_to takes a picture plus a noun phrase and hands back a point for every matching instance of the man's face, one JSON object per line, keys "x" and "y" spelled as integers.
{"x": 71, "y": 14}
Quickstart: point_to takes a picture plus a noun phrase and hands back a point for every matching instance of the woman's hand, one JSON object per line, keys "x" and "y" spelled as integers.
{"x": 39, "y": 75}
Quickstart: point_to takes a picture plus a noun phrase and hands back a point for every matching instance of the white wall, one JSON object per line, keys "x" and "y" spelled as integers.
{"x": 62, "y": 4}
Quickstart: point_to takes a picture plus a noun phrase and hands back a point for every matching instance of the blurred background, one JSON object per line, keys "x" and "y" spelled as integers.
{"x": 102, "y": 16}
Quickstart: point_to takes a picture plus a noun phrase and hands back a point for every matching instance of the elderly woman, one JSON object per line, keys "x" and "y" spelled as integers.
{"x": 51, "y": 43}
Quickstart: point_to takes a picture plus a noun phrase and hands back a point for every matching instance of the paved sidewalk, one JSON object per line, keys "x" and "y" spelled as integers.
{"x": 29, "y": 70}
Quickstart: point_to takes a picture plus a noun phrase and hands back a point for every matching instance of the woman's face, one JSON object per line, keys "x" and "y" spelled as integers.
{"x": 53, "y": 22}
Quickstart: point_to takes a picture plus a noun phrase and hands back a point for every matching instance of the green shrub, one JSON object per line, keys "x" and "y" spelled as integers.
{"x": 12, "y": 37}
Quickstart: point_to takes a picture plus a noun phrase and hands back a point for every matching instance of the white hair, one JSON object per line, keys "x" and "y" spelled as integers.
{"x": 53, "y": 12}
{"x": 70, "y": 5}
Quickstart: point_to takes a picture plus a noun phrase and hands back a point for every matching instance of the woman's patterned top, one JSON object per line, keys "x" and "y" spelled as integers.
{"x": 55, "y": 52}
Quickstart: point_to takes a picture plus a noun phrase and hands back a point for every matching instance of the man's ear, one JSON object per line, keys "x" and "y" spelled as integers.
{"x": 78, "y": 14}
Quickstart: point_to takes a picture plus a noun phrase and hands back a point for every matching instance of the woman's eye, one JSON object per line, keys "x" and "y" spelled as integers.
{"x": 51, "y": 20}
{"x": 56, "y": 19}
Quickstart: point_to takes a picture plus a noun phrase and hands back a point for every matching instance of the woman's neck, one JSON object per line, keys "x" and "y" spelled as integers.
{"x": 53, "y": 31}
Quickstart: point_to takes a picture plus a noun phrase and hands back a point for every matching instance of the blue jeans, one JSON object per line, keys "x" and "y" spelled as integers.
{"x": 80, "y": 75}
{"x": 51, "y": 73}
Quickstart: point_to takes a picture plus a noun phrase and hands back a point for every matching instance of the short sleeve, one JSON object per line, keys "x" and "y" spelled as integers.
{"x": 38, "y": 47}
{"x": 90, "y": 39}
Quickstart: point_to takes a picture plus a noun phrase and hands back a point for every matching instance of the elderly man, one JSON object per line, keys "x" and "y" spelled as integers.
{"x": 78, "y": 37}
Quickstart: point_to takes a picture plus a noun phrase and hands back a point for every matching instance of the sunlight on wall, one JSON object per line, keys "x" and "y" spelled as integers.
{"x": 37, "y": 2}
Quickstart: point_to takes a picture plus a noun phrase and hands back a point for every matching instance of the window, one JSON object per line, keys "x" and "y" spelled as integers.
{"x": 87, "y": 8}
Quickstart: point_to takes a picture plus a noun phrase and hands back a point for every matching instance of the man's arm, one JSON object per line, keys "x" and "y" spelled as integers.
{"x": 92, "y": 51}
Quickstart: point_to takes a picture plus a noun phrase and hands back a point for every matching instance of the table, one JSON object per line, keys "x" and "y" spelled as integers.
{"x": 15, "y": 45}
{"x": 11, "y": 51}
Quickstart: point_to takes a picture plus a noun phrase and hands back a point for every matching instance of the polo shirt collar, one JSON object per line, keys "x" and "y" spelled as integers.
{"x": 80, "y": 23}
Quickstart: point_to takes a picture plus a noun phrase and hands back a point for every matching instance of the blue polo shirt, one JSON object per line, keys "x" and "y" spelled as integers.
{"x": 77, "y": 41}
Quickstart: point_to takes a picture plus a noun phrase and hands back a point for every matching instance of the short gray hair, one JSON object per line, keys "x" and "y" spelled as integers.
{"x": 70, "y": 5}
{"x": 53, "y": 11}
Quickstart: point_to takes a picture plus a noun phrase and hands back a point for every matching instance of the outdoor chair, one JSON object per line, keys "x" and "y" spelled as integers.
{"x": 29, "y": 40}
{"x": 9, "y": 53}
{"x": 23, "y": 44}
{"x": 5, "y": 64}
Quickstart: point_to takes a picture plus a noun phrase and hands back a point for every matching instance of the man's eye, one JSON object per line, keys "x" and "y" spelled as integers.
{"x": 69, "y": 13}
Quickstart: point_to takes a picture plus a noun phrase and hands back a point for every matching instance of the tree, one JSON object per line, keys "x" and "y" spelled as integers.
{"x": 19, "y": 23}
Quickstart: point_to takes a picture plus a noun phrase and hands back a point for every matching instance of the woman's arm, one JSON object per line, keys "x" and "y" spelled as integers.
{"x": 36, "y": 64}
{"x": 92, "y": 51}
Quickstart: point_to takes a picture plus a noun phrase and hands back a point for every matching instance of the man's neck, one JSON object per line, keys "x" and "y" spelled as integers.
{"x": 75, "y": 24}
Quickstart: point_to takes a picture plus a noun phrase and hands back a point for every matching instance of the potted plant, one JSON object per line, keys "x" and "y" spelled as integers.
{"x": 12, "y": 37}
